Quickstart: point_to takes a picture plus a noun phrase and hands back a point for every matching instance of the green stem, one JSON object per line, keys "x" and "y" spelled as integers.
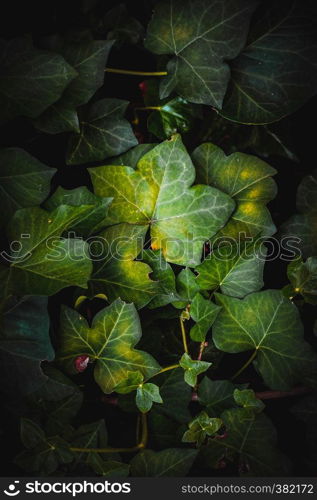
{"x": 183, "y": 334}
{"x": 166, "y": 369}
{"x": 137, "y": 73}
{"x": 142, "y": 444}
{"x": 246, "y": 364}
{"x": 145, "y": 108}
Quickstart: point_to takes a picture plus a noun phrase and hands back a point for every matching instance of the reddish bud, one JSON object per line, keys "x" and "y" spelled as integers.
{"x": 221, "y": 464}
{"x": 143, "y": 87}
{"x": 81, "y": 363}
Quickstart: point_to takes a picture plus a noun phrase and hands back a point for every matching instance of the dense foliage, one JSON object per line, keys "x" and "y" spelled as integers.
{"x": 156, "y": 319}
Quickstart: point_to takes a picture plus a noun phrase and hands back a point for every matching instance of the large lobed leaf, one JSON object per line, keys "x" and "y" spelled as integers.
{"x": 110, "y": 342}
{"x": 158, "y": 194}
{"x": 268, "y": 323}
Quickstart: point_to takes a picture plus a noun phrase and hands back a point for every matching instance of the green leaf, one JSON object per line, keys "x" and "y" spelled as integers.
{"x": 93, "y": 435}
{"x": 176, "y": 115}
{"x": 216, "y": 395}
{"x": 192, "y": 369}
{"x": 24, "y": 181}
{"x": 132, "y": 156}
{"x": 88, "y": 58}
{"x": 236, "y": 269}
{"x": 104, "y": 132}
{"x": 110, "y": 341}
{"x": 25, "y": 329}
{"x": 247, "y": 179}
{"x": 303, "y": 277}
{"x": 44, "y": 262}
{"x": 204, "y": 313}
{"x": 94, "y": 220}
{"x": 146, "y": 395}
{"x": 277, "y": 71}
{"x": 130, "y": 383}
{"x": 201, "y": 37}
{"x": 172, "y": 462}
{"x": 30, "y": 79}
{"x": 187, "y": 286}
{"x": 270, "y": 324}
{"x": 201, "y": 427}
{"x": 247, "y": 399}
{"x": 116, "y": 273}
{"x": 251, "y": 438}
{"x": 44, "y": 454}
{"x": 158, "y": 194}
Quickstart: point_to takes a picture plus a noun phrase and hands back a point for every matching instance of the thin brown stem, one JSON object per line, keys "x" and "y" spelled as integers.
{"x": 282, "y": 394}
{"x": 137, "y": 73}
{"x": 246, "y": 364}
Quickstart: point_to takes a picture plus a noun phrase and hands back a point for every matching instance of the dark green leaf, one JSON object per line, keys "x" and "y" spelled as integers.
{"x": 204, "y": 313}
{"x": 170, "y": 462}
{"x": 303, "y": 277}
{"x": 146, "y": 395}
{"x": 192, "y": 368}
{"x": 247, "y": 399}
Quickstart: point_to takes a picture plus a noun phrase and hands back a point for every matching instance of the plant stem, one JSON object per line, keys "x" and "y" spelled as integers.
{"x": 142, "y": 444}
{"x": 201, "y": 349}
{"x": 137, "y": 73}
{"x": 145, "y": 108}
{"x": 246, "y": 364}
{"x": 166, "y": 369}
{"x": 282, "y": 394}
{"x": 183, "y": 334}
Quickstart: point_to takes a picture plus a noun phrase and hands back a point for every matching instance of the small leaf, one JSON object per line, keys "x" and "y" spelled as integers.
{"x": 146, "y": 395}
{"x": 104, "y": 132}
{"x": 247, "y": 399}
{"x": 201, "y": 427}
{"x": 120, "y": 26}
{"x": 130, "y": 383}
{"x": 110, "y": 341}
{"x": 303, "y": 277}
{"x": 204, "y": 313}
{"x": 192, "y": 369}
{"x": 24, "y": 181}
{"x": 216, "y": 395}
{"x": 171, "y": 462}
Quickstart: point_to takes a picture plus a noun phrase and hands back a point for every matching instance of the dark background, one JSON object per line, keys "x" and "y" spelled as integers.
{"x": 49, "y": 17}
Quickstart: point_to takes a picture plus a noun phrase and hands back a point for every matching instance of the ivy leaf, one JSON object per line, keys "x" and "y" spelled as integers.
{"x": 301, "y": 228}
{"x": 216, "y": 395}
{"x": 94, "y": 220}
{"x": 110, "y": 341}
{"x": 44, "y": 262}
{"x": 146, "y": 395}
{"x": 268, "y": 323}
{"x": 251, "y": 437}
{"x": 158, "y": 194}
{"x": 116, "y": 273}
{"x": 201, "y": 37}
{"x": 44, "y": 454}
{"x": 88, "y": 58}
{"x": 247, "y": 179}
{"x": 201, "y": 427}
{"x": 176, "y": 115}
{"x": 93, "y": 435}
{"x": 24, "y": 181}
{"x": 247, "y": 399}
{"x": 172, "y": 462}
{"x": 303, "y": 277}
{"x": 192, "y": 369}
{"x": 132, "y": 156}
{"x": 204, "y": 313}
{"x": 277, "y": 71}
{"x": 25, "y": 330}
{"x": 186, "y": 285}
{"x": 45, "y": 75}
{"x": 236, "y": 269}
{"x": 104, "y": 132}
